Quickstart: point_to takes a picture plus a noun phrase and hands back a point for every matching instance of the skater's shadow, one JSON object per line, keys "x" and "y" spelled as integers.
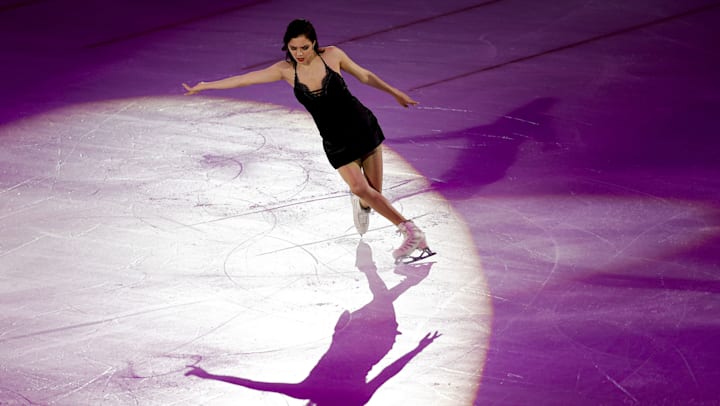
{"x": 481, "y": 155}
{"x": 361, "y": 339}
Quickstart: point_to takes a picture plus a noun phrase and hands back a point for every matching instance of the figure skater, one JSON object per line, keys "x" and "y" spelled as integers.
{"x": 350, "y": 132}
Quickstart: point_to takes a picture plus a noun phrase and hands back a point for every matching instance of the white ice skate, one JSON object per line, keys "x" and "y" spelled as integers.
{"x": 361, "y": 216}
{"x": 414, "y": 240}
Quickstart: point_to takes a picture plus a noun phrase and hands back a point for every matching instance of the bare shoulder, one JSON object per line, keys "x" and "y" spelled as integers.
{"x": 281, "y": 65}
{"x": 334, "y": 57}
{"x": 333, "y": 52}
{"x": 284, "y": 67}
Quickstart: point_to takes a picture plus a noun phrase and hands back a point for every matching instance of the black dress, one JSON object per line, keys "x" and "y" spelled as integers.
{"x": 349, "y": 130}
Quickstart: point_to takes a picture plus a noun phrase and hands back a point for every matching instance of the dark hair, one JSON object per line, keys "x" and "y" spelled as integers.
{"x": 296, "y": 28}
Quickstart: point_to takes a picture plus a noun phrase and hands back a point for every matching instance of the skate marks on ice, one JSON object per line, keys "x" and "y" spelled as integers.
{"x": 139, "y": 235}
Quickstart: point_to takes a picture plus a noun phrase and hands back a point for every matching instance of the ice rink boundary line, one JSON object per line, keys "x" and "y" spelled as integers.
{"x": 626, "y": 30}
{"x": 19, "y": 4}
{"x": 389, "y": 29}
{"x": 257, "y": 2}
{"x": 172, "y": 25}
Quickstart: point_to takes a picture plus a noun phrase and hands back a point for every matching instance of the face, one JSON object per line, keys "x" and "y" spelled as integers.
{"x": 301, "y": 49}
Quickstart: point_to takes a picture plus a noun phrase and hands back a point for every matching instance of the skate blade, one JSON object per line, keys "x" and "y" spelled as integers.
{"x": 409, "y": 259}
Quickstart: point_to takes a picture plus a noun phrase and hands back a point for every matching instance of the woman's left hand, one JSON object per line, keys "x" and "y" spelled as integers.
{"x": 404, "y": 99}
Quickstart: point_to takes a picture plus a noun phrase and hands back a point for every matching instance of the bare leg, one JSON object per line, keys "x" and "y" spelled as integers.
{"x": 367, "y": 185}
{"x": 372, "y": 166}
{"x": 364, "y": 177}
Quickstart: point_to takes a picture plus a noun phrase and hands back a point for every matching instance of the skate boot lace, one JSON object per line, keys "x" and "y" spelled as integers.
{"x": 410, "y": 244}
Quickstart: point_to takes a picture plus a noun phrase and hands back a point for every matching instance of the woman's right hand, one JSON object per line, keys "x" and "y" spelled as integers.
{"x": 192, "y": 90}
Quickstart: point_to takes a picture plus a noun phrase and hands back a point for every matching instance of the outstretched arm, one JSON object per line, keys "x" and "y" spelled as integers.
{"x": 270, "y": 74}
{"x": 393, "y": 369}
{"x": 290, "y": 389}
{"x": 371, "y": 79}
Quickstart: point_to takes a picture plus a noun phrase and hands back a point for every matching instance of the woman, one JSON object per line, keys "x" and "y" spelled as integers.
{"x": 351, "y": 135}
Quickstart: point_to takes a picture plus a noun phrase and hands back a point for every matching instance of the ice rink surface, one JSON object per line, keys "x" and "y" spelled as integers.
{"x": 160, "y": 249}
